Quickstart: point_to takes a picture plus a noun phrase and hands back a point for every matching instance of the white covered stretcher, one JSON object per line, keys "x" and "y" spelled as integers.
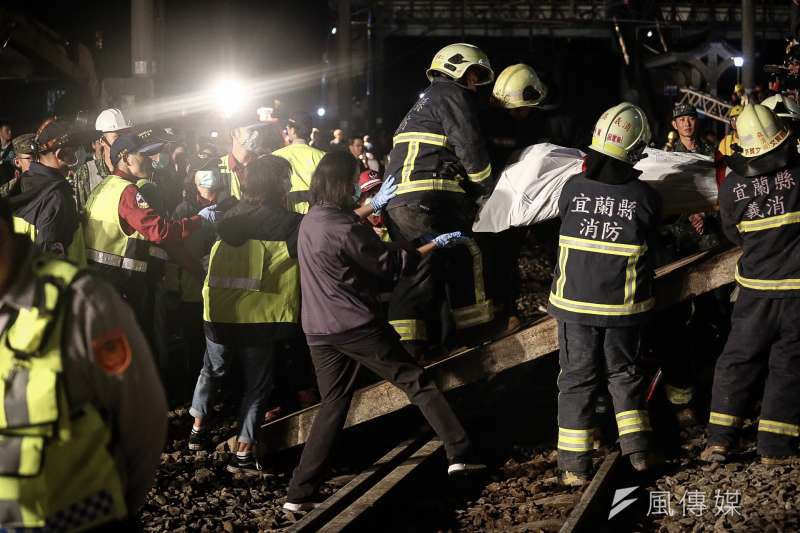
{"x": 527, "y": 191}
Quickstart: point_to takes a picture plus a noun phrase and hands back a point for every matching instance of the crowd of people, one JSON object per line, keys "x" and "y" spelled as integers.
{"x": 284, "y": 263}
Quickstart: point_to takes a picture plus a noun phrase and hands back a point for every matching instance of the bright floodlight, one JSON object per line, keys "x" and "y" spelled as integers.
{"x": 738, "y": 61}
{"x": 228, "y": 95}
{"x": 421, "y": 95}
{"x": 214, "y": 134}
{"x": 649, "y": 33}
{"x": 333, "y": 30}
{"x": 320, "y": 111}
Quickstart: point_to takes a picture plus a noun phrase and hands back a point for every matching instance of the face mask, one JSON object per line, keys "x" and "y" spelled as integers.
{"x": 356, "y": 193}
{"x": 206, "y": 178}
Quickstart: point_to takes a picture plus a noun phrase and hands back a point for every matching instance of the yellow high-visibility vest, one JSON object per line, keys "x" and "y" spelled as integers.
{"x": 76, "y": 251}
{"x": 304, "y": 160}
{"x": 106, "y": 241}
{"x": 255, "y": 283}
{"x": 56, "y": 471}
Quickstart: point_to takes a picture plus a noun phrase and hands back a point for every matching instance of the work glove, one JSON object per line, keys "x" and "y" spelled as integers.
{"x": 210, "y": 214}
{"x": 387, "y": 191}
{"x": 448, "y": 240}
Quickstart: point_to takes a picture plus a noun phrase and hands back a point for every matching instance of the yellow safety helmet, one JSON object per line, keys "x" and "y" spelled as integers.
{"x": 760, "y": 130}
{"x": 735, "y": 111}
{"x": 738, "y": 89}
{"x": 454, "y": 59}
{"x": 519, "y": 86}
{"x": 622, "y": 132}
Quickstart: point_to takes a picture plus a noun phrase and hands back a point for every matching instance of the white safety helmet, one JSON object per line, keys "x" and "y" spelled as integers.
{"x": 760, "y": 130}
{"x": 110, "y": 120}
{"x": 519, "y": 86}
{"x": 622, "y": 132}
{"x": 783, "y": 106}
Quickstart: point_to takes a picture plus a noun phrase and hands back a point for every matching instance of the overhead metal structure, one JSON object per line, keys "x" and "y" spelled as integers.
{"x": 566, "y": 18}
{"x": 706, "y": 104}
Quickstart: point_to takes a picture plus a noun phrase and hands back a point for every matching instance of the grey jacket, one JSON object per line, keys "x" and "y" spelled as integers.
{"x": 343, "y": 267}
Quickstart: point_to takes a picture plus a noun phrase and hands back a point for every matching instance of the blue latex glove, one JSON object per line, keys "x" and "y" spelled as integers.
{"x": 387, "y": 191}
{"x": 447, "y": 240}
{"x": 210, "y": 213}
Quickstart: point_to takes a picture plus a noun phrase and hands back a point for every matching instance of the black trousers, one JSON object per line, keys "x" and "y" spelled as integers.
{"x": 336, "y": 368}
{"x": 592, "y": 358}
{"x": 764, "y": 338}
{"x": 671, "y": 339}
{"x": 418, "y": 309}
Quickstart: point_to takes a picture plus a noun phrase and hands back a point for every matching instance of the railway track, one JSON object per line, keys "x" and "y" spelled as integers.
{"x": 363, "y": 502}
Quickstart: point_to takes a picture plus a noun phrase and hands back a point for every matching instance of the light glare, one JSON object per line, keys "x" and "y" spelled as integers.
{"x": 228, "y": 95}
{"x": 320, "y": 111}
{"x": 738, "y": 61}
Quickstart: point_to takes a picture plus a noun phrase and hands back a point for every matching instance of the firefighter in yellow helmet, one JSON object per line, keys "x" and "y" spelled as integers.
{"x": 759, "y": 203}
{"x": 602, "y": 293}
{"x": 438, "y": 156}
{"x": 83, "y": 417}
{"x": 512, "y": 127}
{"x": 726, "y": 144}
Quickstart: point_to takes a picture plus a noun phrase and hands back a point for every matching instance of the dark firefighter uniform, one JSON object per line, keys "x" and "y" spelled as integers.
{"x": 601, "y": 295}
{"x": 438, "y": 152}
{"x": 762, "y": 214}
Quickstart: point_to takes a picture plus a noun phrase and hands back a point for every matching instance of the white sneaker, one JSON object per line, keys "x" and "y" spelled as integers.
{"x": 300, "y": 507}
{"x": 464, "y": 468}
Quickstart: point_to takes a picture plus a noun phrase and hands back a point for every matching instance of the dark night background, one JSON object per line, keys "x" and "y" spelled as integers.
{"x": 256, "y": 39}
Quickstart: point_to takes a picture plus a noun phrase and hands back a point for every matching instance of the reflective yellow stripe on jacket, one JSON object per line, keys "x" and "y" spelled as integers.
{"x": 760, "y": 224}
{"x": 790, "y": 284}
{"x": 629, "y": 306}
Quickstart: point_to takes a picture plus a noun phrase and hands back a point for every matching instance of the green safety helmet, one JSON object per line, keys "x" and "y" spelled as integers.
{"x": 454, "y": 59}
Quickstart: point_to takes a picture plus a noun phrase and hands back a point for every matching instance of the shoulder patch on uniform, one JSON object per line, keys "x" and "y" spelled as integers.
{"x": 141, "y": 202}
{"x": 112, "y": 351}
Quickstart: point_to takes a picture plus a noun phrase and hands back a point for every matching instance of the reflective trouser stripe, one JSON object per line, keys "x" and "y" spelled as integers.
{"x": 721, "y": 419}
{"x": 410, "y": 330}
{"x": 480, "y": 176}
{"x": 427, "y": 185}
{"x": 768, "y": 222}
{"x": 767, "y": 284}
{"x": 223, "y": 282}
{"x": 473, "y": 315}
{"x": 781, "y": 428}
{"x": 601, "y": 309}
{"x": 420, "y": 137}
{"x": 575, "y": 440}
{"x": 633, "y": 422}
{"x": 20, "y": 455}
{"x": 114, "y": 260}
{"x": 677, "y": 395}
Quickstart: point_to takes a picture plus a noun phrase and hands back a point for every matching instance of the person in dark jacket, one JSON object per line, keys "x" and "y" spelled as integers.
{"x": 440, "y": 161}
{"x": 343, "y": 266}
{"x": 759, "y": 203}
{"x": 42, "y": 199}
{"x": 602, "y": 293}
